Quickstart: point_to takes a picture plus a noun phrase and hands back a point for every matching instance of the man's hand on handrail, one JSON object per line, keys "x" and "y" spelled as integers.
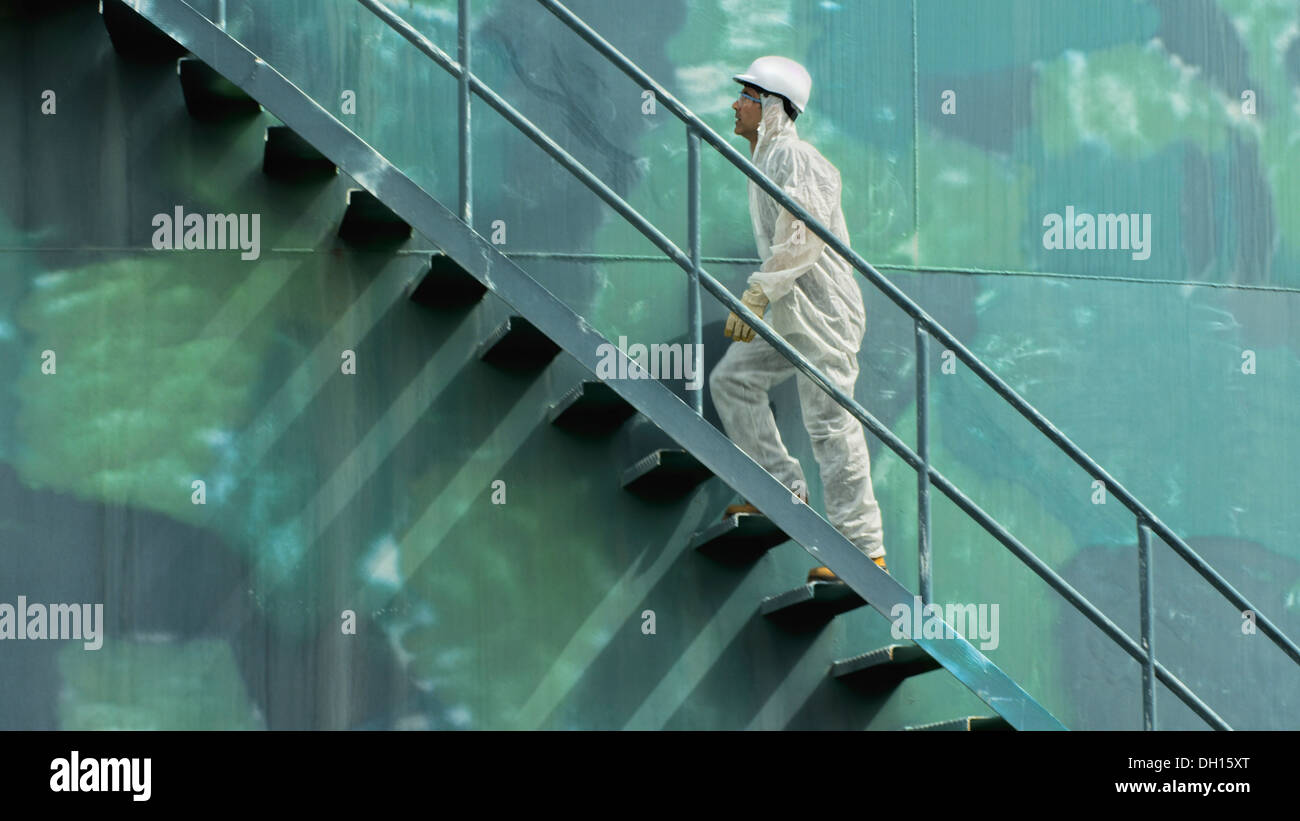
{"x": 755, "y": 300}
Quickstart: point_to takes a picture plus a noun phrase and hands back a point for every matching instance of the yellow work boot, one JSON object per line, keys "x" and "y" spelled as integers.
{"x": 824, "y": 574}
{"x": 746, "y": 507}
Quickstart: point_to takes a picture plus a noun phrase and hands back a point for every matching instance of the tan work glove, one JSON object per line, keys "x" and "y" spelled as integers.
{"x": 755, "y": 300}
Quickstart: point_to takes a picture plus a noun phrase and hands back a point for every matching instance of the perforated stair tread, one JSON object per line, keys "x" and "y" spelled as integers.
{"x": 444, "y": 285}
{"x": 516, "y": 344}
{"x": 287, "y": 156}
{"x": 968, "y": 724}
{"x": 743, "y": 537}
{"x": 811, "y": 605}
{"x": 209, "y": 96}
{"x": 884, "y": 666}
{"x": 591, "y": 407}
{"x": 368, "y": 221}
{"x": 512, "y": 284}
{"x": 667, "y": 473}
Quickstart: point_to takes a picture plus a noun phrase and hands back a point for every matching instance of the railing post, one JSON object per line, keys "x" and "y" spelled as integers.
{"x": 1148, "y": 619}
{"x": 462, "y": 55}
{"x": 923, "y": 453}
{"x": 925, "y": 325}
{"x": 693, "y": 281}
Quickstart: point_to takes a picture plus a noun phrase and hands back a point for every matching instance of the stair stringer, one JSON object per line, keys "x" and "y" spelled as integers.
{"x": 477, "y": 256}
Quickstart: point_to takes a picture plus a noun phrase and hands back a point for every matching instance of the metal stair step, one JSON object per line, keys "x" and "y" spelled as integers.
{"x": 367, "y": 220}
{"x": 516, "y": 344}
{"x": 446, "y": 285}
{"x": 209, "y": 96}
{"x": 968, "y": 724}
{"x": 591, "y": 407}
{"x": 667, "y": 473}
{"x": 433, "y": 219}
{"x": 811, "y": 605}
{"x": 134, "y": 37}
{"x": 742, "y": 538}
{"x": 289, "y": 157}
{"x": 884, "y": 667}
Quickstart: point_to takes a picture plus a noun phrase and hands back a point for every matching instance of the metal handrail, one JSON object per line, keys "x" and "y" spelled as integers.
{"x": 927, "y": 474}
{"x": 1145, "y": 517}
{"x": 482, "y": 260}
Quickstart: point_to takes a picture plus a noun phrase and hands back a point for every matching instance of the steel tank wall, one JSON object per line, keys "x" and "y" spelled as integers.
{"x": 373, "y": 492}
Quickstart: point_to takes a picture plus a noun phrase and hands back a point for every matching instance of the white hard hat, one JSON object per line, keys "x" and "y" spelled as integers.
{"x": 779, "y": 75}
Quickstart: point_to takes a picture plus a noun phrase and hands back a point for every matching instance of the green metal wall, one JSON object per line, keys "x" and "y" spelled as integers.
{"x": 373, "y": 492}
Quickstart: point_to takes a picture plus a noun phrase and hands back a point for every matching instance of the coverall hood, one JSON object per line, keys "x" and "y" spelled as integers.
{"x": 775, "y": 123}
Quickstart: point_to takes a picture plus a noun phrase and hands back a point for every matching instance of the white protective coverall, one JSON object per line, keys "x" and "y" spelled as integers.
{"x": 816, "y": 306}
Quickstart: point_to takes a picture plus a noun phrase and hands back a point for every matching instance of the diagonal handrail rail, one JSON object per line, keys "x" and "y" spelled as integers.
{"x": 490, "y": 266}
{"x": 925, "y": 324}
{"x": 1146, "y": 520}
{"x": 1152, "y": 669}
{"x": 1145, "y": 517}
{"x": 924, "y": 319}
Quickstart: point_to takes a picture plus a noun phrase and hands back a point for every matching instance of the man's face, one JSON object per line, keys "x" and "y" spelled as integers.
{"x": 748, "y": 113}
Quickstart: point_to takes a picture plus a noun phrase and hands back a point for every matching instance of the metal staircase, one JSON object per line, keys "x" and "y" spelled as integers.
{"x": 223, "y": 79}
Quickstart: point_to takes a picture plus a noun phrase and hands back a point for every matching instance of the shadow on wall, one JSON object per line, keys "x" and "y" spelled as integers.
{"x": 160, "y": 580}
{"x": 1198, "y": 636}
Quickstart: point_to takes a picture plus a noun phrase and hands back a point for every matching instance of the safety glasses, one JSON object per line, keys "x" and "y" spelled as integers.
{"x": 748, "y": 97}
